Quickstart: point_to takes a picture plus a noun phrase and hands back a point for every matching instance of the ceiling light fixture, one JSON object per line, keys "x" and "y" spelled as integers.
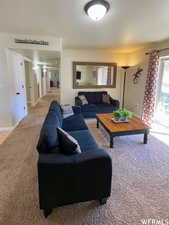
{"x": 96, "y": 9}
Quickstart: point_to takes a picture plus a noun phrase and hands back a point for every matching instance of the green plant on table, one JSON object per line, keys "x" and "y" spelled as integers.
{"x": 122, "y": 114}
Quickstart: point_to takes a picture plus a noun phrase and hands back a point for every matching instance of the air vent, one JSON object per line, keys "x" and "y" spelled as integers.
{"x": 31, "y": 42}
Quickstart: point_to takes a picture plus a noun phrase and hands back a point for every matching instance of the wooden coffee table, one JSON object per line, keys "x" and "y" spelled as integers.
{"x": 135, "y": 126}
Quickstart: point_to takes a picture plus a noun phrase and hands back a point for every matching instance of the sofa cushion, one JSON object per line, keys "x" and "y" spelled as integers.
{"x": 68, "y": 145}
{"x": 67, "y": 110}
{"x": 48, "y": 137}
{"x": 89, "y": 114}
{"x": 93, "y": 97}
{"x": 55, "y": 107}
{"x": 75, "y": 122}
{"x": 76, "y": 109}
{"x": 88, "y": 108}
{"x": 85, "y": 140}
{"x": 105, "y": 108}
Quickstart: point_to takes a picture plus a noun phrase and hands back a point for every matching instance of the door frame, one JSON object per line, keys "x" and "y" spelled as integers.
{"x": 32, "y": 97}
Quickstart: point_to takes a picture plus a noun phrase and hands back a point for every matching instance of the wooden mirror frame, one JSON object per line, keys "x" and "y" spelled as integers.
{"x": 74, "y": 64}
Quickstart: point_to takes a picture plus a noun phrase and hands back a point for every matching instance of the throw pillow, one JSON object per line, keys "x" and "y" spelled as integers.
{"x": 67, "y": 144}
{"x": 67, "y": 110}
{"x": 106, "y": 98}
{"x": 83, "y": 99}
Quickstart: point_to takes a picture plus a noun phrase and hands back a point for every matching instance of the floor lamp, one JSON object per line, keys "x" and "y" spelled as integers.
{"x": 124, "y": 83}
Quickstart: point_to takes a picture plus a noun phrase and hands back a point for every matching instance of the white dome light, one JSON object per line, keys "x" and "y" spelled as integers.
{"x": 96, "y": 9}
{"x": 96, "y": 12}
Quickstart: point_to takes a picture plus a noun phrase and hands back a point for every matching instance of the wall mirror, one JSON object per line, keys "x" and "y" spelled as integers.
{"x": 94, "y": 75}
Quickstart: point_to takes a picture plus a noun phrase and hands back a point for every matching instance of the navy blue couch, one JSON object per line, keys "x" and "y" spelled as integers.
{"x": 95, "y": 104}
{"x": 65, "y": 179}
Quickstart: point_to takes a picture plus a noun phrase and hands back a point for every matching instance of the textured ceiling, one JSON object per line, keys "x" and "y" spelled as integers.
{"x": 128, "y": 24}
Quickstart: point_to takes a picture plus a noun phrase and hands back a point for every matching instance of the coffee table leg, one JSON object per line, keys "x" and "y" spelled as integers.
{"x": 146, "y": 132}
{"x": 97, "y": 123}
{"x": 111, "y": 141}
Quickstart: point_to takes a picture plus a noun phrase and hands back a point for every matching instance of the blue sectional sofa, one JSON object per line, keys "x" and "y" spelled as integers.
{"x": 95, "y": 104}
{"x": 65, "y": 179}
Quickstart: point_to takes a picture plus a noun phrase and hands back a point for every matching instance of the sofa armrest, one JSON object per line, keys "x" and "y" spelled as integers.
{"x": 76, "y": 110}
{"x": 67, "y": 179}
{"x": 59, "y": 160}
{"x": 78, "y": 102}
{"x": 115, "y": 103}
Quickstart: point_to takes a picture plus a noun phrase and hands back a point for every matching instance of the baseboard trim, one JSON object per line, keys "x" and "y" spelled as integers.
{"x": 9, "y": 128}
{"x": 6, "y": 128}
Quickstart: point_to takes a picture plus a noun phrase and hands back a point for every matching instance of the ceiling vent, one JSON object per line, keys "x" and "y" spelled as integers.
{"x": 31, "y": 42}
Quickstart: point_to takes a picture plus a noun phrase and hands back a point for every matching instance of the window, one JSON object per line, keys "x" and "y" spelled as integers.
{"x": 162, "y": 103}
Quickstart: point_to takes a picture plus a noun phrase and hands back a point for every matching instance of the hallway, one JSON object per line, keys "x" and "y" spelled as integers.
{"x": 42, "y": 106}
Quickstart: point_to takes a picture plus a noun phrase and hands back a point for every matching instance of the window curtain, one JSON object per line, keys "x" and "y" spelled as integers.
{"x": 151, "y": 87}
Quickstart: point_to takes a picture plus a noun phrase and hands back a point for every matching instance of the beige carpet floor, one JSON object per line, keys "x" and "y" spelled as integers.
{"x": 140, "y": 181}
{"x": 3, "y": 136}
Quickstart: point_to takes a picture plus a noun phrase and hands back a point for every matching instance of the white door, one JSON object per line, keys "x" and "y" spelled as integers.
{"x": 19, "y": 100}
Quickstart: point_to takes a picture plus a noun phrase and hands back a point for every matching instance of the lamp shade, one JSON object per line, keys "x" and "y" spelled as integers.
{"x": 125, "y": 67}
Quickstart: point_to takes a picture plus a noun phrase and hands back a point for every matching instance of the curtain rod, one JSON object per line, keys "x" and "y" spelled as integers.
{"x": 163, "y": 49}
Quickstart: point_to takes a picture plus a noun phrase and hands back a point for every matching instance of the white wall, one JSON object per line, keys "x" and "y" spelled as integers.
{"x": 27, "y": 82}
{"x": 134, "y": 94}
{"x": 44, "y": 83}
{"x": 89, "y": 55}
{"x": 32, "y": 79}
{"x": 35, "y": 87}
{"x": 5, "y": 89}
{"x": 33, "y": 84}
{"x": 48, "y": 80}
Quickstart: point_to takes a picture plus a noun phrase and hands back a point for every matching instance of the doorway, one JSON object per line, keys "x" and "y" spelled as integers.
{"x": 53, "y": 80}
